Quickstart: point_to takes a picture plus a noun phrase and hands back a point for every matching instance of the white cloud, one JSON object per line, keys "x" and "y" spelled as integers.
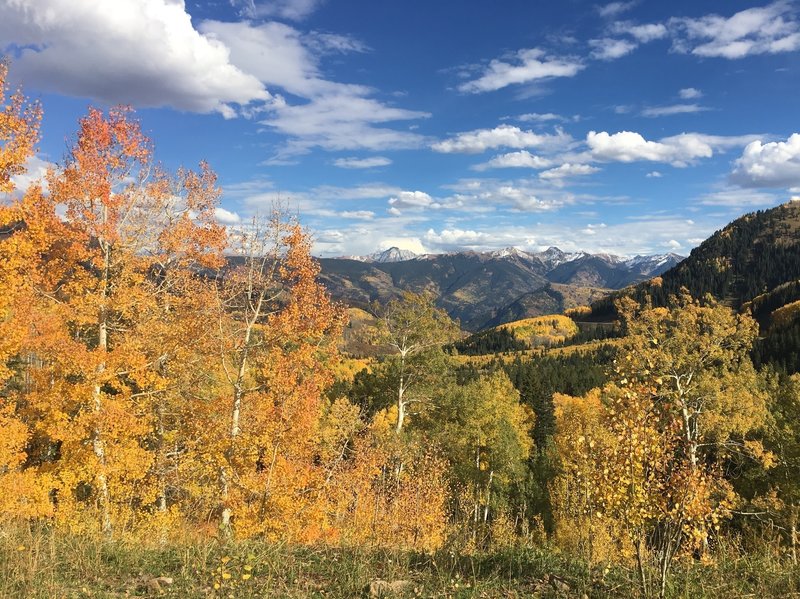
{"x": 148, "y": 53}
{"x": 503, "y": 136}
{"x": 273, "y": 52}
{"x": 656, "y": 111}
{"x": 740, "y": 199}
{"x": 537, "y": 117}
{"x": 142, "y": 52}
{"x": 486, "y": 195}
{"x": 529, "y": 65}
{"x": 521, "y": 159}
{"x": 677, "y": 150}
{"x": 643, "y": 33}
{"x": 357, "y": 163}
{"x": 358, "y": 214}
{"x": 654, "y": 175}
{"x": 770, "y": 29}
{"x": 568, "y": 170}
{"x": 412, "y": 200}
{"x": 690, "y": 93}
{"x": 343, "y": 122}
{"x": 226, "y": 217}
{"x": 458, "y": 239}
{"x": 673, "y": 244}
{"x": 333, "y": 115}
{"x": 610, "y": 49}
{"x": 333, "y": 43}
{"x": 294, "y": 10}
{"x": 614, "y": 9}
{"x": 649, "y": 234}
{"x": 35, "y": 171}
{"x": 773, "y": 164}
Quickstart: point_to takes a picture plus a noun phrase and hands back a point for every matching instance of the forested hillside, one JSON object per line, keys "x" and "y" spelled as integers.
{"x": 751, "y": 265}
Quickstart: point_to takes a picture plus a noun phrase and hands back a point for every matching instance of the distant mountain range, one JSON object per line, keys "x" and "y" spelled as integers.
{"x": 484, "y": 289}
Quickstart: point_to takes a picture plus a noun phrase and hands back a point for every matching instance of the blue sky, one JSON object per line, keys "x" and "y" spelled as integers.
{"x": 629, "y": 127}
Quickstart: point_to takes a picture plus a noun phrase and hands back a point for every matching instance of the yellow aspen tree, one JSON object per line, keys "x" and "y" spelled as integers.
{"x": 111, "y": 267}
{"x": 22, "y": 494}
{"x": 684, "y": 396}
{"x": 276, "y": 336}
{"x": 376, "y": 504}
{"x": 411, "y": 327}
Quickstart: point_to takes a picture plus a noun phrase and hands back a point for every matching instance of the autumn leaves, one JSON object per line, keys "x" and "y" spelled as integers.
{"x": 142, "y": 385}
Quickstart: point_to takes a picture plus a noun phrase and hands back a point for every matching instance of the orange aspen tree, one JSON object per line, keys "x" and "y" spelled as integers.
{"x": 276, "y": 332}
{"x": 99, "y": 374}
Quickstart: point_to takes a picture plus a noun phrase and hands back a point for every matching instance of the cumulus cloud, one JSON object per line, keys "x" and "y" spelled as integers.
{"x": 773, "y": 164}
{"x": 568, "y": 170}
{"x": 410, "y": 200}
{"x": 273, "y": 52}
{"x": 486, "y": 195}
{"x": 672, "y": 109}
{"x": 527, "y": 66}
{"x": 357, "y": 163}
{"x": 647, "y": 32}
{"x": 690, "y": 93}
{"x": 610, "y": 49}
{"x": 770, "y": 29}
{"x": 226, "y": 217}
{"x": 613, "y": 48}
{"x": 343, "y": 122}
{"x": 149, "y": 53}
{"x": 521, "y": 159}
{"x": 503, "y": 136}
{"x": 654, "y": 175}
{"x": 677, "y": 150}
{"x": 144, "y": 52}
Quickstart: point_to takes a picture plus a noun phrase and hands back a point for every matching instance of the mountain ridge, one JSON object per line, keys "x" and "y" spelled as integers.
{"x": 487, "y": 288}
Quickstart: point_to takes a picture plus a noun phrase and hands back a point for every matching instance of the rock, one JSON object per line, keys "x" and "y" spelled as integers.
{"x": 559, "y": 584}
{"x": 153, "y": 586}
{"x": 384, "y": 588}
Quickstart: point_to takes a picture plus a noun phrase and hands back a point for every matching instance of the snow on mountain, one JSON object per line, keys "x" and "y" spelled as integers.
{"x": 552, "y": 257}
{"x": 652, "y": 264}
{"x": 512, "y": 252}
{"x": 393, "y": 254}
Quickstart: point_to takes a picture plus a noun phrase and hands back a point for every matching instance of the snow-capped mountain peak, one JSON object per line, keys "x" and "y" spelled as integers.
{"x": 392, "y": 254}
